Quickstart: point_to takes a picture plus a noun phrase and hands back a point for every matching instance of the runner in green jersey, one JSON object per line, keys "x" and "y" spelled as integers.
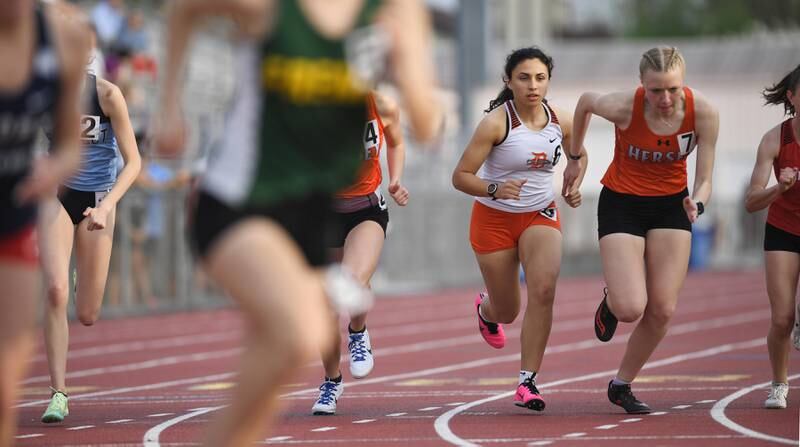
{"x": 290, "y": 143}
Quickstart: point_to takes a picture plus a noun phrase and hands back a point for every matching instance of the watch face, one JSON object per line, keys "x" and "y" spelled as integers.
{"x": 492, "y": 188}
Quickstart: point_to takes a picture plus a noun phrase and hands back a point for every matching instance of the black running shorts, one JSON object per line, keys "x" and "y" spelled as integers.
{"x": 345, "y": 222}
{"x": 776, "y": 239}
{"x": 307, "y": 220}
{"x": 636, "y": 215}
{"x": 75, "y": 202}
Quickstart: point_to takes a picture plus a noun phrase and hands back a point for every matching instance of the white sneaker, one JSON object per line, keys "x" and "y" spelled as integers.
{"x": 777, "y": 396}
{"x": 796, "y": 330}
{"x": 344, "y": 291}
{"x": 329, "y": 393}
{"x": 361, "y": 360}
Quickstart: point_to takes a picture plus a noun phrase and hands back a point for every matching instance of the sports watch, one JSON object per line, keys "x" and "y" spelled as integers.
{"x": 700, "y": 208}
{"x": 492, "y": 190}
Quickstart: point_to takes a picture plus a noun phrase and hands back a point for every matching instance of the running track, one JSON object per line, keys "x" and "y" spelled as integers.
{"x": 157, "y": 380}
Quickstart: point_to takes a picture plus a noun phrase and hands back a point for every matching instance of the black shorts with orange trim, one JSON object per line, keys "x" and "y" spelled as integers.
{"x": 346, "y": 222}
{"x": 636, "y": 215}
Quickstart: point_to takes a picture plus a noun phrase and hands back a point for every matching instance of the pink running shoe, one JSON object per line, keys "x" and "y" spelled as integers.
{"x": 528, "y": 396}
{"x": 491, "y": 332}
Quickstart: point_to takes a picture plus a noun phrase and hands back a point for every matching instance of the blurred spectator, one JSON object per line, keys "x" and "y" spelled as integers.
{"x": 133, "y": 37}
{"x": 108, "y": 17}
{"x": 97, "y": 62}
{"x": 149, "y": 222}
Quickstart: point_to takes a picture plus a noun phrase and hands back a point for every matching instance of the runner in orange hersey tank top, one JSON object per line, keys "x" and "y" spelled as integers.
{"x": 646, "y": 164}
{"x": 369, "y": 176}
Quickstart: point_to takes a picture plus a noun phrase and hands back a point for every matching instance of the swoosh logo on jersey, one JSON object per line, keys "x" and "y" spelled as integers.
{"x": 554, "y": 139}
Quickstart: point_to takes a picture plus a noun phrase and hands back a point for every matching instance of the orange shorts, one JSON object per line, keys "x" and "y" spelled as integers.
{"x": 493, "y": 230}
{"x": 21, "y": 247}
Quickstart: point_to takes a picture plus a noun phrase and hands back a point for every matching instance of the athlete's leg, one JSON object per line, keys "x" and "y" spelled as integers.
{"x": 19, "y": 301}
{"x": 362, "y": 251}
{"x": 782, "y": 269}
{"x": 288, "y": 318}
{"x": 540, "y": 253}
{"x": 500, "y": 271}
{"x": 667, "y": 258}
{"x": 92, "y": 256}
{"x": 55, "y": 233}
{"x": 331, "y": 356}
{"x": 623, "y": 269}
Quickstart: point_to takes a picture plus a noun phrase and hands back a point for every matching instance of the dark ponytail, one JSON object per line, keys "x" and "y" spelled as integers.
{"x": 514, "y": 59}
{"x": 777, "y": 93}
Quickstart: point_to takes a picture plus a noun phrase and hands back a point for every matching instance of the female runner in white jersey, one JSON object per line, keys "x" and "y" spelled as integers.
{"x": 508, "y": 166}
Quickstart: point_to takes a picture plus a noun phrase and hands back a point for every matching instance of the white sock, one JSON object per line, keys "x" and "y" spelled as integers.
{"x": 618, "y": 382}
{"x": 525, "y": 375}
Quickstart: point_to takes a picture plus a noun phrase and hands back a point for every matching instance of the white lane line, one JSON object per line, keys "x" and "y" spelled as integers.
{"x": 80, "y": 427}
{"x": 119, "y": 421}
{"x": 278, "y": 438}
{"x": 707, "y": 401}
{"x": 535, "y": 443}
{"x": 132, "y": 389}
{"x": 442, "y": 423}
{"x": 159, "y": 415}
{"x": 33, "y": 435}
{"x": 606, "y": 427}
{"x": 681, "y": 407}
{"x": 151, "y": 437}
{"x": 393, "y": 415}
{"x": 718, "y": 413}
{"x": 574, "y": 435}
{"x": 429, "y": 408}
{"x": 739, "y": 318}
{"x": 147, "y": 364}
{"x": 364, "y": 421}
{"x": 659, "y": 413}
{"x": 455, "y": 404}
{"x": 148, "y": 345}
{"x": 631, "y": 420}
{"x": 323, "y": 429}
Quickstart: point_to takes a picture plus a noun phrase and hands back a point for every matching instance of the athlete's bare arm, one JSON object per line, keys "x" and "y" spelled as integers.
{"x": 490, "y": 132}
{"x": 395, "y": 150}
{"x": 113, "y": 104}
{"x": 571, "y": 191}
{"x": 758, "y": 195}
{"x": 71, "y": 41}
{"x": 707, "y": 128}
{"x": 409, "y": 25}
{"x": 182, "y": 18}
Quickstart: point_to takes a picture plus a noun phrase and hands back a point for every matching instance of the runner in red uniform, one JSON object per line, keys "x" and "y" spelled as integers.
{"x": 779, "y": 151}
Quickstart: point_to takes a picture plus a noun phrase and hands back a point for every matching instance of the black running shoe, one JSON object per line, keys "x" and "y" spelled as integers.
{"x": 605, "y": 323}
{"x": 621, "y": 395}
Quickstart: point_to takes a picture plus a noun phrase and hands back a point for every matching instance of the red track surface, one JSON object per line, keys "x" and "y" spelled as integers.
{"x": 435, "y": 380}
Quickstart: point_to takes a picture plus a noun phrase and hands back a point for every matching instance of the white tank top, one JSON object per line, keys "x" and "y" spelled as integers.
{"x": 524, "y": 154}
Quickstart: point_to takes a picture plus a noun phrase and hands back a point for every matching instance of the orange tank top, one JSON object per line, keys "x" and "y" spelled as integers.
{"x": 784, "y": 212}
{"x": 646, "y": 164}
{"x": 369, "y": 175}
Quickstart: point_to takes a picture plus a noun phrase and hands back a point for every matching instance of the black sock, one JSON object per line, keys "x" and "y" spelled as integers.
{"x": 350, "y": 330}
{"x": 334, "y": 380}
